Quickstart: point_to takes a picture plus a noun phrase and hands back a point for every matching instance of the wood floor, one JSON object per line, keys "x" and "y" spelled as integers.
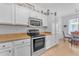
{"x": 62, "y": 49}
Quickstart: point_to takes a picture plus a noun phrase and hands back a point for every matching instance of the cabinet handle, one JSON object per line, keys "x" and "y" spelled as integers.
{"x": 9, "y": 51}
{"x": 3, "y": 45}
{"x": 23, "y": 42}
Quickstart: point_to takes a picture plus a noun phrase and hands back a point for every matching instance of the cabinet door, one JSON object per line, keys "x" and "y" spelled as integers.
{"x": 39, "y": 15}
{"x": 48, "y": 42}
{"x": 44, "y": 18}
{"x": 34, "y": 14}
{"x": 22, "y": 15}
{"x": 6, "y": 52}
{"x": 5, "y": 13}
{"x": 23, "y": 50}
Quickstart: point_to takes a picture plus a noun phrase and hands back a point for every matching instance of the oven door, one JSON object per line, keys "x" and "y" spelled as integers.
{"x": 38, "y": 44}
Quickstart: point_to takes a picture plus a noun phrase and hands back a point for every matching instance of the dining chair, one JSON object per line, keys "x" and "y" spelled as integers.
{"x": 65, "y": 36}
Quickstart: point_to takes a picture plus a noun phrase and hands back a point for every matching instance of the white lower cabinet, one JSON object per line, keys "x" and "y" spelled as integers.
{"x": 22, "y": 48}
{"x": 6, "y": 49}
{"x": 6, "y": 52}
{"x": 48, "y": 42}
{"x": 15, "y": 48}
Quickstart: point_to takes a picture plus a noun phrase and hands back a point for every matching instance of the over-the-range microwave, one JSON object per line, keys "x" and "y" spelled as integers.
{"x": 34, "y": 21}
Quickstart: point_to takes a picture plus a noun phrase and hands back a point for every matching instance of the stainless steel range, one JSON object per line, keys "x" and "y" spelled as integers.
{"x": 37, "y": 42}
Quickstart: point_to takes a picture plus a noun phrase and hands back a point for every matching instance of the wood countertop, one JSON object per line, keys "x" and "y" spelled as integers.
{"x": 46, "y": 33}
{"x": 14, "y": 36}
{"x": 18, "y": 36}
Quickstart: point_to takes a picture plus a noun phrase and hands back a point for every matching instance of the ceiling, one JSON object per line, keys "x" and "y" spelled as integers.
{"x": 62, "y": 9}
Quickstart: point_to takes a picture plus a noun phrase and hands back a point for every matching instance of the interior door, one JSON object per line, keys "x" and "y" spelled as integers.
{"x": 6, "y": 52}
{"x": 22, "y": 50}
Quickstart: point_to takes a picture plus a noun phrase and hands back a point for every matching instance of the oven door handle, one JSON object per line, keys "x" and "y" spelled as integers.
{"x": 38, "y": 37}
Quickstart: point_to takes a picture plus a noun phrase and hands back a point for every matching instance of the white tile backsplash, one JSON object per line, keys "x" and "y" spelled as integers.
{"x": 7, "y": 29}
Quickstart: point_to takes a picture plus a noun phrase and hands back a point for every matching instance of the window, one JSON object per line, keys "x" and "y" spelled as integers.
{"x": 73, "y": 25}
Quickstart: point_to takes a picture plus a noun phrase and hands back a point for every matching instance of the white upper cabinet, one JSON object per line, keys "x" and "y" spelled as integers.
{"x": 44, "y": 18}
{"x": 39, "y": 15}
{"x": 5, "y": 13}
{"x": 34, "y": 14}
{"x": 15, "y": 14}
{"x": 21, "y": 15}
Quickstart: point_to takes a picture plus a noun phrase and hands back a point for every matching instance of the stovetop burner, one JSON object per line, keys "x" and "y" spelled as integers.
{"x": 34, "y": 33}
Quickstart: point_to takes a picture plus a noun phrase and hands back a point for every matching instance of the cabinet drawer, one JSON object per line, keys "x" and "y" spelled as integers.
{"x": 24, "y": 41}
{"x": 5, "y": 45}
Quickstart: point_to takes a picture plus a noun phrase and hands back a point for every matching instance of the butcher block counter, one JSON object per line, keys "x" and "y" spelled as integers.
{"x": 14, "y": 36}
{"x": 46, "y": 33}
{"x": 18, "y": 36}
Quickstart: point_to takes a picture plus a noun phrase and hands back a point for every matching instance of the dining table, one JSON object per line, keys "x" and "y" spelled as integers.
{"x": 75, "y": 38}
